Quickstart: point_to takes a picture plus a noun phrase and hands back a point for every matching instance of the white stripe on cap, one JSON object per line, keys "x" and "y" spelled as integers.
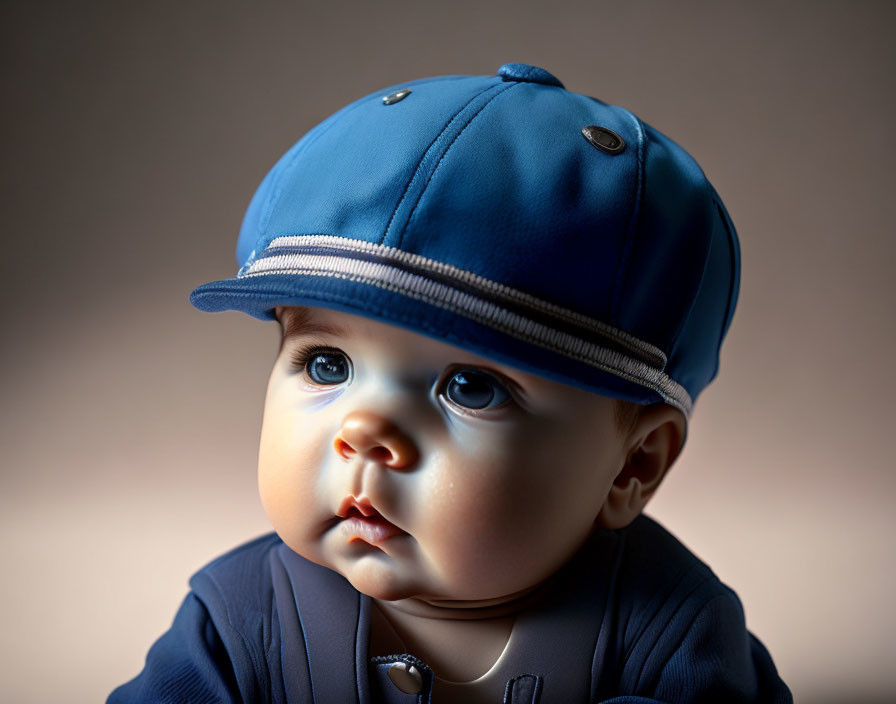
{"x": 285, "y": 255}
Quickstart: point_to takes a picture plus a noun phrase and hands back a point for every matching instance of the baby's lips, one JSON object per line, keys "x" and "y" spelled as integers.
{"x": 373, "y": 530}
{"x": 364, "y": 522}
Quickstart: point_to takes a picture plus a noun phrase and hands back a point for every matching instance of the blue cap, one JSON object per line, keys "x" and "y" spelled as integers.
{"x": 540, "y": 228}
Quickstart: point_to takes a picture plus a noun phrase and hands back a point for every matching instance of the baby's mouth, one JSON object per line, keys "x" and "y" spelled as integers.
{"x": 370, "y": 526}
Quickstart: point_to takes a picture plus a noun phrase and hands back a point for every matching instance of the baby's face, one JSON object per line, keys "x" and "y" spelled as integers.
{"x": 417, "y": 469}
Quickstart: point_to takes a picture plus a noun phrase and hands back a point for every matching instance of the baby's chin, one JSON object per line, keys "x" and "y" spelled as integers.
{"x": 377, "y": 580}
{"x": 392, "y": 574}
{"x": 412, "y": 596}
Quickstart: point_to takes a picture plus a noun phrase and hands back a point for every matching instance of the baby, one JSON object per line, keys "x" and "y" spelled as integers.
{"x": 499, "y": 301}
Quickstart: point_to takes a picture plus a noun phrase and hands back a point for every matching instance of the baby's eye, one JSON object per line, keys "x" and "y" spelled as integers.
{"x": 323, "y": 367}
{"x": 476, "y": 390}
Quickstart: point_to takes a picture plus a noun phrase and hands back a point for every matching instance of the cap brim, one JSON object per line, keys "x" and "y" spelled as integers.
{"x": 259, "y": 295}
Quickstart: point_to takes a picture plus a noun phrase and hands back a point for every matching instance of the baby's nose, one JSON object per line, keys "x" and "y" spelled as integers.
{"x": 375, "y": 438}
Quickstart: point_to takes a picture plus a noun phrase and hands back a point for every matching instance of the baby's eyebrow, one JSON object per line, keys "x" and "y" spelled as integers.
{"x": 299, "y": 323}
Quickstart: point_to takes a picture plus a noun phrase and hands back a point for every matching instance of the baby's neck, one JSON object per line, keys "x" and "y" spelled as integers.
{"x": 460, "y": 641}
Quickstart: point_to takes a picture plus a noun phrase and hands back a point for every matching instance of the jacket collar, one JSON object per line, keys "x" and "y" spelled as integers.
{"x": 561, "y": 641}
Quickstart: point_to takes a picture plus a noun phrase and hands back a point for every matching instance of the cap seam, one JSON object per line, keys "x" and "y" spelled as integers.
{"x": 416, "y": 173}
{"x": 735, "y": 266}
{"x": 503, "y": 88}
{"x": 625, "y": 255}
{"x": 735, "y": 279}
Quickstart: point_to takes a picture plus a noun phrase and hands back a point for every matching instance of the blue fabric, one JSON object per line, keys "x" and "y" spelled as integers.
{"x": 492, "y": 175}
{"x": 531, "y": 74}
{"x": 641, "y": 619}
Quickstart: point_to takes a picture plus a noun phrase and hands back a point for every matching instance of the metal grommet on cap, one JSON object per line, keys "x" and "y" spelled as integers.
{"x": 406, "y": 677}
{"x": 395, "y": 97}
{"x": 605, "y": 140}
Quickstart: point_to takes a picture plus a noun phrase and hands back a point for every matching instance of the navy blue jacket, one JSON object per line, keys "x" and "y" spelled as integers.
{"x": 635, "y": 617}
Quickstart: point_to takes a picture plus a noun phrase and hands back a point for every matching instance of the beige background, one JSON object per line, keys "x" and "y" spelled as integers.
{"x": 133, "y": 138}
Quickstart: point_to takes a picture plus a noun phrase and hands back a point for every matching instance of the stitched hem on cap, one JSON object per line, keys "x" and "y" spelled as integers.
{"x": 474, "y": 297}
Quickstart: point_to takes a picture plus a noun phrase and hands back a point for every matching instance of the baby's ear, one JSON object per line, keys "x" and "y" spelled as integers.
{"x": 652, "y": 446}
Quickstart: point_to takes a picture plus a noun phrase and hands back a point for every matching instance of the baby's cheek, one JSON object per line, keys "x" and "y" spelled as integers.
{"x": 473, "y": 524}
{"x": 286, "y": 478}
{"x": 515, "y": 528}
